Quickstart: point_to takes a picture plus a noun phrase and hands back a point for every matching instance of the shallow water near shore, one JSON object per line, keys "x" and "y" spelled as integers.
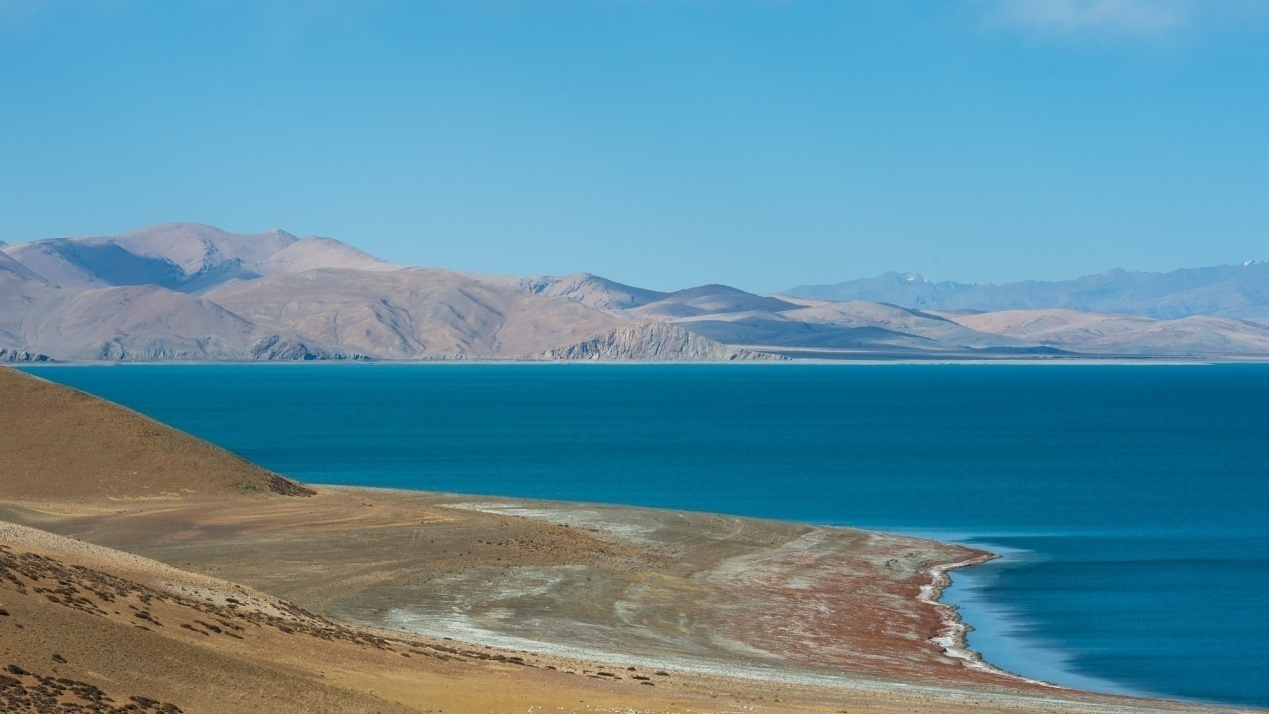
{"x": 1129, "y": 501}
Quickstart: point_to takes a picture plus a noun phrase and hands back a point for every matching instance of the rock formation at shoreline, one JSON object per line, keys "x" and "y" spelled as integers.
{"x": 652, "y": 341}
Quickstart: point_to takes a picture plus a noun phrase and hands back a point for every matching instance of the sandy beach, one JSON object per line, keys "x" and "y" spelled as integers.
{"x": 140, "y": 562}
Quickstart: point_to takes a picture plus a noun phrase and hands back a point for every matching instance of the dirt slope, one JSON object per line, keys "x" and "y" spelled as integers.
{"x": 85, "y": 628}
{"x": 59, "y": 444}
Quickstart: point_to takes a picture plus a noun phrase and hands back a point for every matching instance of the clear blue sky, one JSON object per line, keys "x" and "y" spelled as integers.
{"x": 757, "y": 143}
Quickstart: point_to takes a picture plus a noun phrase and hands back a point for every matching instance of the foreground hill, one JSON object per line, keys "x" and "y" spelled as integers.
{"x": 106, "y": 451}
{"x": 91, "y": 629}
{"x": 1239, "y": 291}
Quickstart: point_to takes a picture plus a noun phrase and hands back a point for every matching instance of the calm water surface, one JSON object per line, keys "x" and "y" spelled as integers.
{"x": 1130, "y": 501}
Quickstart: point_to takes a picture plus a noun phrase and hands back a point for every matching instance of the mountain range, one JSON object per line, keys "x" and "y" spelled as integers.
{"x": 186, "y": 291}
{"x": 1240, "y": 291}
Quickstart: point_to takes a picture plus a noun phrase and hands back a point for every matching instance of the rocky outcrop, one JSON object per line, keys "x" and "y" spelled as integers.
{"x": 12, "y": 356}
{"x": 650, "y": 341}
{"x": 277, "y": 348}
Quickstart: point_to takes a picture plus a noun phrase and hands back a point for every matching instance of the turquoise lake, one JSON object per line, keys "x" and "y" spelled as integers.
{"x": 1130, "y": 501}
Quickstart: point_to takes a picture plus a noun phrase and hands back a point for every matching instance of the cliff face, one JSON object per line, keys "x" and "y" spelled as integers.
{"x": 651, "y": 342}
{"x": 8, "y": 355}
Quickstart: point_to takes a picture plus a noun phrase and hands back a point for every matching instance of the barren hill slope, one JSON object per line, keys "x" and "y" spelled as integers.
{"x": 106, "y": 451}
{"x": 1239, "y": 291}
{"x": 413, "y": 314}
{"x": 590, "y": 290}
{"x": 1126, "y": 334}
{"x": 85, "y": 628}
{"x": 9, "y": 265}
{"x": 709, "y": 300}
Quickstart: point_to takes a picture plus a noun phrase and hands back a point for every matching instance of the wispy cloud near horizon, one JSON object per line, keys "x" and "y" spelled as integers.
{"x": 1071, "y": 16}
{"x": 12, "y": 11}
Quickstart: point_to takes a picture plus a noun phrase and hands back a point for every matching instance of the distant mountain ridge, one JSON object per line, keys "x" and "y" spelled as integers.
{"x": 184, "y": 291}
{"x": 590, "y": 290}
{"x": 186, "y": 257}
{"x": 1240, "y": 291}
{"x": 9, "y": 265}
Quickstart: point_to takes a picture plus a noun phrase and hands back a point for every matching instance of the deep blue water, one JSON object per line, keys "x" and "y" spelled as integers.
{"x": 1130, "y": 500}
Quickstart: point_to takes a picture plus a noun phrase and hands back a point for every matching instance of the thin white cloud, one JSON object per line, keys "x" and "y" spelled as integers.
{"x": 1071, "y": 16}
{"x": 17, "y": 10}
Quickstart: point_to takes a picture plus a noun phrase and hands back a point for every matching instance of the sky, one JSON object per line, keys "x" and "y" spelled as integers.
{"x": 758, "y": 143}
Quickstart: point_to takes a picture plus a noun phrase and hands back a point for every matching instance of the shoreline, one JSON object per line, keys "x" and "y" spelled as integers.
{"x": 822, "y": 616}
{"x": 962, "y": 692}
{"x": 951, "y": 638}
{"x": 954, "y": 636}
